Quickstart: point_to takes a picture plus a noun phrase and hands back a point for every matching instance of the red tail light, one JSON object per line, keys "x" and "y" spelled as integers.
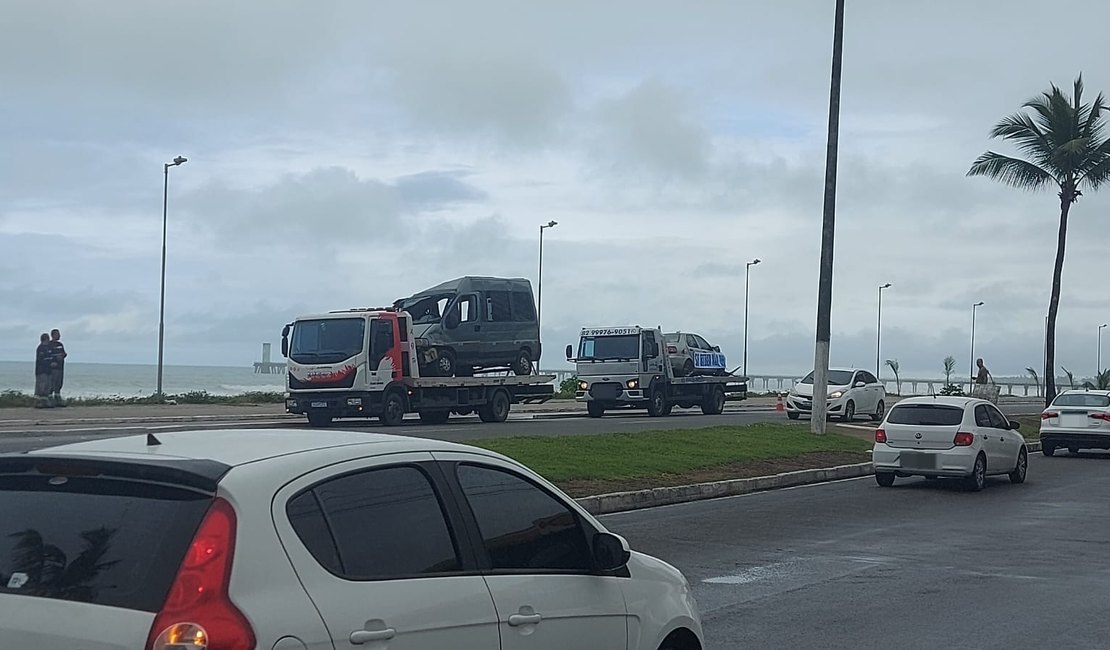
{"x": 963, "y": 439}
{"x": 672, "y": 349}
{"x": 1100, "y": 416}
{"x": 198, "y": 612}
{"x": 880, "y": 435}
{"x": 1048, "y": 415}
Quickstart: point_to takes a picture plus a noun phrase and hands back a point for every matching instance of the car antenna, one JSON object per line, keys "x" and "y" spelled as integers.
{"x": 151, "y": 441}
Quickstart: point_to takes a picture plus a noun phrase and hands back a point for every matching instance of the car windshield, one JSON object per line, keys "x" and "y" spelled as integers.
{"x": 926, "y": 415}
{"x": 327, "y": 340}
{"x": 836, "y": 378}
{"x": 609, "y": 348}
{"x": 426, "y": 309}
{"x": 1093, "y": 400}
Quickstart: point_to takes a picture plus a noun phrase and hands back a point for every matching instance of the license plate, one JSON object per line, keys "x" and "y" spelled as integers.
{"x": 1073, "y": 419}
{"x": 917, "y": 460}
{"x": 319, "y": 405}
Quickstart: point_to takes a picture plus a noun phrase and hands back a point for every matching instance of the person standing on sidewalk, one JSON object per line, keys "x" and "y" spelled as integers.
{"x": 57, "y": 367}
{"x": 43, "y": 359}
{"x": 983, "y": 375}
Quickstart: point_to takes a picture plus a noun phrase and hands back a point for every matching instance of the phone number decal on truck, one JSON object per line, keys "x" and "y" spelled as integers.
{"x": 611, "y": 331}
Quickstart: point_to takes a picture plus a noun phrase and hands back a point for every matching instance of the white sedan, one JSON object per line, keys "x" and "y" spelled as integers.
{"x": 292, "y": 539}
{"x": 954, "y": 437}
{"x": 851, "y": 393}
{"x": 1077, "y": 419}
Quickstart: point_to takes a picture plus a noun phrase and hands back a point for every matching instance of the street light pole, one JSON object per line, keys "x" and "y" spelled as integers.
{"x": 539, "y": 291}
{"x": 747, "y": 271}
{"x": 1098, "y": 359}
{"x": 828, "y": 236}
{"x": 879, "y": 330}
{"x": 162, "y": 299}
{"x": 973, "y": 308}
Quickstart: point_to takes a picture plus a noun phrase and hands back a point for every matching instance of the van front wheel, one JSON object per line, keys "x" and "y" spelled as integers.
{"x": 523, "y": 364}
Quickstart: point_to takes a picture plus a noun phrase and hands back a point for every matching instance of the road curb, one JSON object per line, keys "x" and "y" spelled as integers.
{"x": 604, "y": 504}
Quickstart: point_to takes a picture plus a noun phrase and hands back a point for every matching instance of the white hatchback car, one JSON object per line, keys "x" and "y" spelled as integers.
{"x": 851, "y": 393}
{"x": 956, "y": 437}
{"x": 1077, "y": 419}
{"x": 313, "y": 540}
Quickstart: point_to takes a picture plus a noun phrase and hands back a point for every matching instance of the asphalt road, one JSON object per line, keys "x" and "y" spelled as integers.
{"x": 922, "y": 565}
{"x": 20, "y": 438}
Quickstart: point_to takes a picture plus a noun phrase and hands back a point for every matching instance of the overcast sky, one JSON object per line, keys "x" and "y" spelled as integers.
{"x": 345, "y": 154}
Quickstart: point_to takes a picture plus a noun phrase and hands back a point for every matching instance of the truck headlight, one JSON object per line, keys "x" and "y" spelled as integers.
{"x": 632, "y": 384}
{"x": 583, "y": 385}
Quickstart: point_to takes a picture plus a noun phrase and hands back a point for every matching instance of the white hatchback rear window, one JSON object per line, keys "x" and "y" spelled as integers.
{"x": 927, "y": 415}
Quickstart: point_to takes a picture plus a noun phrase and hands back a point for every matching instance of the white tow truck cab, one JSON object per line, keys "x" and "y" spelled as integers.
{"x": 362, "y": 363}
{"x": 628, "y": 367}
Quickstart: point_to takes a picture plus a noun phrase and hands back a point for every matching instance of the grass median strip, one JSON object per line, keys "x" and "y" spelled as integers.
{"x": 611, "y": 462}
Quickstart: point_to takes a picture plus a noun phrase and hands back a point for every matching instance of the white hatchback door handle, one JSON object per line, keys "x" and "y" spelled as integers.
{"x": 359, "y": 637}
{"x": 516, "y": 620}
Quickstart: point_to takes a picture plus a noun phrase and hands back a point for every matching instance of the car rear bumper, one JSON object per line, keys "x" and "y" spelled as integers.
{"x": 1076, "y": 439}
{"x": 957, "y": 462}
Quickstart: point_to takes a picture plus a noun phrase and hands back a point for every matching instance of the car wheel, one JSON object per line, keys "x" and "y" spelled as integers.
{"x": 444, "y": 365}
{"x": 1022, "y": 467}
{"x": 595, "y": 409}
{"x": 1047, "y": 449}
{"x": 714, "y": 403}
{"x": 319, "y": 420}
{"x": 393, "y": 410}
{"x": 497, "y": 410}
{"x": 523, "y": 364}
{"x": 884, "y": 479}
{"x": 793, "y": 415}
{"x": 688, "y": 368}
{"x": 435, "y": 417}
{"x": 978, "y": 479}
{"x": 880, "y": 411}
{"x": 657, "y": 403}
{"x": 849, "y": 411}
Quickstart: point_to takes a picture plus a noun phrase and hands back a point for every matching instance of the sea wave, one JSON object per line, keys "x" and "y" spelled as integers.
{"x": 239, "y": 389}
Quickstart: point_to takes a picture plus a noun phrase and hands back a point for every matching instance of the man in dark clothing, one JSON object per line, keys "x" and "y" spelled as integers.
{"x": 57, "y": 366}
{"x": 43, "y": 360}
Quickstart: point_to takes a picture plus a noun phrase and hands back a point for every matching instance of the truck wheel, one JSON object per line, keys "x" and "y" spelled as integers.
{"x": 393, "y": 410}
{"x": 497, "y": 410}
{"x": 319, "y": 420}
{"x": 435, "y": 417}
{"x": 523, "y": 364}
{"x": 657, "y": 404}
{"x": 595, "y": 409}
{"x": 714, "y": 403}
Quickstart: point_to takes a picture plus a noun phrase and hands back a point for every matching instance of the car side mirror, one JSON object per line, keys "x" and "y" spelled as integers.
{"x": 452, "y": 320}
{"x": 716, "y": 348}
{"x": 861, "y": 384}
{"x": 570, "y": 352}
{"x": 611, "y": 552}
{"x": 1015, "y": 426}
{"x": 285, "y": 340}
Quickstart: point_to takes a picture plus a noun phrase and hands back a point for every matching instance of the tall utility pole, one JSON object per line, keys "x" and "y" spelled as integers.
{"x": 747, "y": 271}
{"x": 973, "y": 308}
{"x": 162, "y": 299}
{"x": 1098, "y": 358}
{"x": 879, "y": 330}
{"x": 539, "y": 291}
{"x": 828, "y": 231}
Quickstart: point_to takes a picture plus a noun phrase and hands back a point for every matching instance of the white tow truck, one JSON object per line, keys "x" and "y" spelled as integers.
{"x": 628, "y": 367}
{"x": 362, "y": 363}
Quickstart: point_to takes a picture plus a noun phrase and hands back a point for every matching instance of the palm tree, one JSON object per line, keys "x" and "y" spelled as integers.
{"x": 1036, "y": 380}
{"x": 893, "y": 363}
{"x": 1070, "y": 376}
{"x": 1065, "y": 146}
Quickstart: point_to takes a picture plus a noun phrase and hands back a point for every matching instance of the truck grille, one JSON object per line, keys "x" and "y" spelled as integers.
{"x": 605, "y": 391}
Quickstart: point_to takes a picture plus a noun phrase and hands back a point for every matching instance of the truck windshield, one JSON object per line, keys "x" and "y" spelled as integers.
{"x": 426, "y": 309}
{"x": 609, "y": 348}
{"x": 327, "y": 340}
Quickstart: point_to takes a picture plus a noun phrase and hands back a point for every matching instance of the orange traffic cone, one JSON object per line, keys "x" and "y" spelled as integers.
{"x": 779, "y": 406}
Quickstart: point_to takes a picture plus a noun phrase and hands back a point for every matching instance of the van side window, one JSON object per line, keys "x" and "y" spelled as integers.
{"x": 523, "y": 310}
{"x": 497, "y": 307}
{"x": 467, "y": 309}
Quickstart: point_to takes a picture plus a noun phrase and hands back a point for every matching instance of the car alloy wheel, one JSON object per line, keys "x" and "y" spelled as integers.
{"x": 1021, "y": 469}
{"x": 978, "y": 479}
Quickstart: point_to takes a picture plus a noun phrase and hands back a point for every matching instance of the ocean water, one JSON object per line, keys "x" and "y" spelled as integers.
{"x": 125, "y": 380}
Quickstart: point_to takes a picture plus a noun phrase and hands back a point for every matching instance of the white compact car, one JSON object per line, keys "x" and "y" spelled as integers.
{"x": 1077, "y": 419}
{"x": 314, "y": 540}
{"x": 851, "y": 393}
{"x": 955, "y": 437}
{"x": 690, "y": 354}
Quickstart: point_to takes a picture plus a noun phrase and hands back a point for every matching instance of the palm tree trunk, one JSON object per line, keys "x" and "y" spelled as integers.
{"x": 1066, "y": 198}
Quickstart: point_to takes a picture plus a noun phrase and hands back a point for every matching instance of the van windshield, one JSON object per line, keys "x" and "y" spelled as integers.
{"x": 327, "y": 340}
{"x": 427, "y": 309}
{"x": 609, "y": 348}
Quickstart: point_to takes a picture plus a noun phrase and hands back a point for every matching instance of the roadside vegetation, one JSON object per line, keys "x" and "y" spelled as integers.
{"x": 16, "y": 399}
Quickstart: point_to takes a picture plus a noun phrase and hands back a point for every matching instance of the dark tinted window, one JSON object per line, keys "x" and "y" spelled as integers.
{"x": 381, "y": 339}
{"x": 867, "y": 377}
{"x": 998, "y": 421}
{"x": 497, "y": 306}
{"x": 1090, "y": 400}
{"x": 467, "y": 308}
{"x": 836, "y": 378}
{"x": 308, "y": 520}
{"x": 982, "y": 418}
{"x": 937, "y": 415}
{"x": 522, "y": 526}
{"x": 385, "y": 523}
{"x": 523, "y": 309}
{"x": 327, "y": 340}
{"x": 108, "y": 542}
